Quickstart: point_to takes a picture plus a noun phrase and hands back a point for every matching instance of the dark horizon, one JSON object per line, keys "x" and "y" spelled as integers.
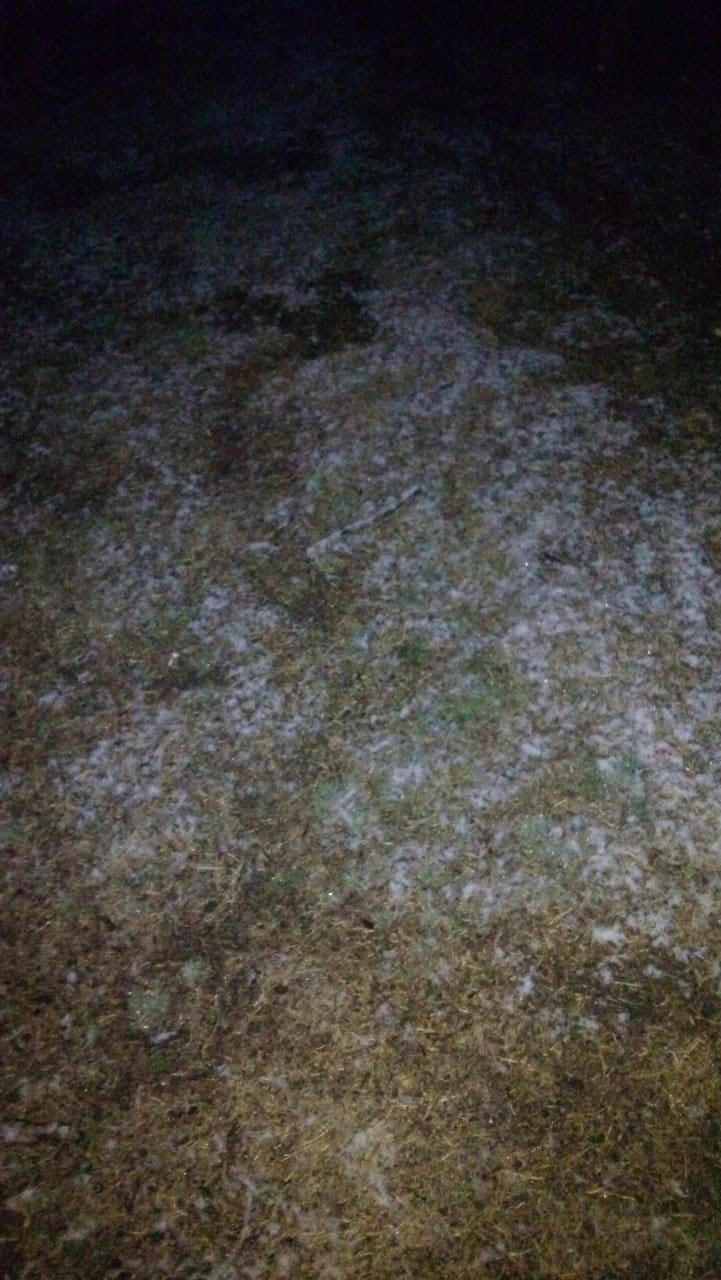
{"x": 651, "y": 47}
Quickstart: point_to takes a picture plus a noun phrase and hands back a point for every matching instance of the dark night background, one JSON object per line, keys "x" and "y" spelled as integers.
{"x": 663, "y": 51}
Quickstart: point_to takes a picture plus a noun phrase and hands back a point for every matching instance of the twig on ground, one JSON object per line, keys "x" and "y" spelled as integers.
{"x": 387, "y": 509}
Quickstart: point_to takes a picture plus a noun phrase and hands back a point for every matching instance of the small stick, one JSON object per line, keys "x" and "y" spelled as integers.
{"x": 386, "y": 509}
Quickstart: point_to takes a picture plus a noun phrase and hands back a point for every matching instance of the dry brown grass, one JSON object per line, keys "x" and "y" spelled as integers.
{"x": 345, "y": 1091}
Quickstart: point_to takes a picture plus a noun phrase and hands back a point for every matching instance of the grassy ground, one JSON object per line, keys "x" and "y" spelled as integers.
{"x": 360, "y": 568}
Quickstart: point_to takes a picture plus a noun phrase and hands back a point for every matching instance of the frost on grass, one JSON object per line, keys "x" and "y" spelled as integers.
{"x": 361, "y": 671}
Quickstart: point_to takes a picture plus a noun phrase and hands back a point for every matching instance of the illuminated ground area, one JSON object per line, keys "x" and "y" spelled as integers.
{"x": 361, "y": 600}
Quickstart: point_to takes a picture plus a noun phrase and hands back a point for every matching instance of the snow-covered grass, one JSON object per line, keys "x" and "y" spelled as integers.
{"x": 361, "y": 596}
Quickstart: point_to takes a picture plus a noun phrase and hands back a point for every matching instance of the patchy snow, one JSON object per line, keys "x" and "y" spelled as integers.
{"x": 362, "y": 604}
{"x": 495, "y": 512}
